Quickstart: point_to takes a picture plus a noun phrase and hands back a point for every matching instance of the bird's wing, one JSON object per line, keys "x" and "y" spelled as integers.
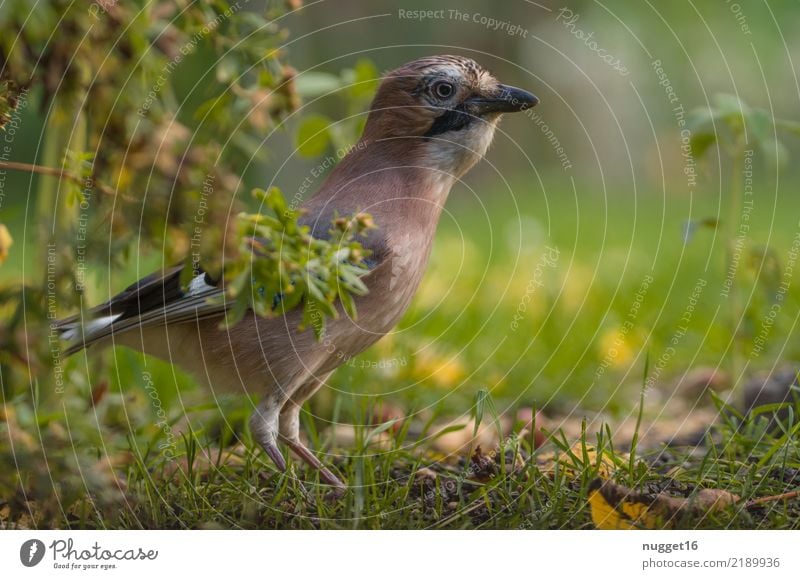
{"x": 155, "y": 300}
{"x": 159, "y": 300}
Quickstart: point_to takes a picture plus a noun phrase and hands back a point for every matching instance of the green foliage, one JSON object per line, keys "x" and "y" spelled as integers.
{"x": 731, "y": 122}
{"x": 79, "y": 165}
{"x": 313, "y": 135}
{"x": 281, "y": 265}
{"x": 354, "y": 87}
{"x": 8, "y": 102}
{"x": 120, "y": 130}
{"x": 740, "y": 130}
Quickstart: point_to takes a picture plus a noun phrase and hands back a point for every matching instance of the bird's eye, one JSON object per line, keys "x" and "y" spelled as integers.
{"x": 443, "y": 90}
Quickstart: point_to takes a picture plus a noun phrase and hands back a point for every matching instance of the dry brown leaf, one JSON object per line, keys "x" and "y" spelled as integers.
{"x": 482, "y": 467}
{"x": 614, "y": 506}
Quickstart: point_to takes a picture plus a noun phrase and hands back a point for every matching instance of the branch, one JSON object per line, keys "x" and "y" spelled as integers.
{"x": 60, "y": 173}
{"x": 782, "y": 497}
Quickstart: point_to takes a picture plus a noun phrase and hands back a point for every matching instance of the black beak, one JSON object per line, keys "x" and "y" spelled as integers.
{"x": 508, "y": 99}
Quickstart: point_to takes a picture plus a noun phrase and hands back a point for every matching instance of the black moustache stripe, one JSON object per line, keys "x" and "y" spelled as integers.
{"x": 451, "y": 120}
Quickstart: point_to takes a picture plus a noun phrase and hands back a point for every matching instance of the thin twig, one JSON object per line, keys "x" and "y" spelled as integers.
{"x": 761, "y": 500}
{"x": 60, "y": 173}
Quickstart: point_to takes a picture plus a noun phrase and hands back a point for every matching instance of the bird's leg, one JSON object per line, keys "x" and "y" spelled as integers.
{"x": 289, "y": 422}
{"x": 290, "y": 434}
{"x": 264, "y": 426}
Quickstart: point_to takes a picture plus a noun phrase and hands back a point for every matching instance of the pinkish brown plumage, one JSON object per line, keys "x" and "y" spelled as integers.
{"x": 431, "y": 120}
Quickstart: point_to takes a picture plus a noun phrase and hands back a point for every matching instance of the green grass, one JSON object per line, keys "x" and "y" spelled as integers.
{"x": 214, "y": 490}
{"x": 102, "y": 464}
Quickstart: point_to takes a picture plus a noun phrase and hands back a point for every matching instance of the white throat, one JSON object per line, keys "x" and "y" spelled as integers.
{"x": 455, "y": 152}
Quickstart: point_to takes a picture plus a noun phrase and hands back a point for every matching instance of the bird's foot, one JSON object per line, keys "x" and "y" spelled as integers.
{"x": 276, "y": 456}
{"x": 307, "y": 456}
{"x": 274, "y": 453}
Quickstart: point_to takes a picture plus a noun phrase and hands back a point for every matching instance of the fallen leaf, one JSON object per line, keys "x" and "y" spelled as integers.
{"x": 617, "y": 507}
{"x": 482, "y": 466}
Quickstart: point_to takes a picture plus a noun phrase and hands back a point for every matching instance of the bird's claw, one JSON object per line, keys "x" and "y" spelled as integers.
{"x": 328, "y": 477}
{"x": 325, "y": 475}
{"x": 274, "y": 453}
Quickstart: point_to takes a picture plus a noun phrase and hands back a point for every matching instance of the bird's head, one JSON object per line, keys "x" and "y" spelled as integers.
{"x": 445, "y": 106}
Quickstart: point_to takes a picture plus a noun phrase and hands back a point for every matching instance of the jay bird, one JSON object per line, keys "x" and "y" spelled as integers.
{"x": 431, "y": 120}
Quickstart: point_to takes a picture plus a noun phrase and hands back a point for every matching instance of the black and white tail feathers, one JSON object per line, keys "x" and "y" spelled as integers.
{"x": 155, "y": 300}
